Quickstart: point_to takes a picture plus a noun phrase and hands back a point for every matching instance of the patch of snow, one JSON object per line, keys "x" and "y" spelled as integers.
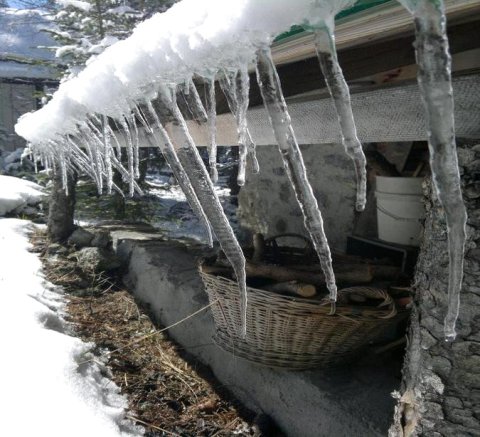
{"x": 50, "y": 384}
{"x": 16, "y": 194}
{"x": 123, "y": 10}
{"x": 84, "y": 6}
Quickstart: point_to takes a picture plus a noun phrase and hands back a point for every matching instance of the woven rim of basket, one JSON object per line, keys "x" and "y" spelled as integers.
{"x": 385, "y": 310}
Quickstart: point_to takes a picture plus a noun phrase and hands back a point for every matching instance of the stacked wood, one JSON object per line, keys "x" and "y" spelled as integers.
{"x": 304, "y": 279}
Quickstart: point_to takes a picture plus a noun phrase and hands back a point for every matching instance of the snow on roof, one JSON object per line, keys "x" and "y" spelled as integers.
{"x": 190, "y": 38}
{"x": 84, "y": 6}
{"x": 22, "y": 41}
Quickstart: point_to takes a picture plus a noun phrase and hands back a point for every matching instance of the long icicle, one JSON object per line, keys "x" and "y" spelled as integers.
{"x": 203, "y": 186}
{"x": 242, "y": 88}
{"x": 108, "y": 153}
{"x": 182, "y": 178}
{"x": 327, "y": 56}
{"x": 212, "y": 127}
{"x": 130, "y": 154}
{"x": 271, "y": 90}
{"x": 434, "y": 80}
{"x": 228, "y": 84}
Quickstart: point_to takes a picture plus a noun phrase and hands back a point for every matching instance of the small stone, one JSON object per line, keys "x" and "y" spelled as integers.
{"x": 472, "y": 192}
{"x": 80, "y": 238}
{"x": 56, "y": 249}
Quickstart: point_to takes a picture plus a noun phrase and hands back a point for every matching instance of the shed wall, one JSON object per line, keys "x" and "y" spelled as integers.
{"x": 15, "y": 100}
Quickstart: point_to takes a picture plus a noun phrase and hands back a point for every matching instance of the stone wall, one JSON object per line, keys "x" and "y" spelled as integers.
{"x": 267, "y": 203}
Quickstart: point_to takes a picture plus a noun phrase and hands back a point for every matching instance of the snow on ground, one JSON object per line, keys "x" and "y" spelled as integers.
{"x": 16, "y": 194}
{"x": 49, "y": 385}
{"x": 187, "y": 224}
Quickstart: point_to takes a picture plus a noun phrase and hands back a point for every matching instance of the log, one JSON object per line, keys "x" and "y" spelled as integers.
{"x": 258, "y": 247}
{"x": 293, "y": 287}
{"x": 364, "y": 270}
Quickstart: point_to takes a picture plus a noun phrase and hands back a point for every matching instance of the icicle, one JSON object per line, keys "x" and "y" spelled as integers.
{"x": 136, "y": 146}
{"x": 88, "y": 137}
{"x": 63, "y": 168}
{"x": 193, "y": 101}
{"x": 235, "y": 87}
{"x": 192, "y": 163}
{"x": 270, "y": 88}
{"x": 212, "y": 128}
{"x": 434, "y": 79}
{"x": 130, "y": 159}
{"x": 242, "y": 88}
{"x": 327, "y": 55}
{"x": 108, "y": 154}
{"x": 168, "y": 151}
{"x": 229, "y": 87}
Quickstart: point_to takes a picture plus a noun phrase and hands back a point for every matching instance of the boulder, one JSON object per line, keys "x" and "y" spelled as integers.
{"x": 101, "y": 239}
{"x": 97, "y": 259}
{"x": 80, "y": 238}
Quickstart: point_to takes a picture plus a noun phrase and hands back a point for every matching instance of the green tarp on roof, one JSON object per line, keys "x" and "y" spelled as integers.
{"x": 360, "y": 6}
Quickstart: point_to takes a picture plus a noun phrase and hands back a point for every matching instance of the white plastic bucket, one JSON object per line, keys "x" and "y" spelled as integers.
{"x": 400, "y": 210}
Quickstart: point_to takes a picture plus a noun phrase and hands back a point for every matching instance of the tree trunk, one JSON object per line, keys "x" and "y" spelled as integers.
{"x": 440, "y": 393}
{"x": 62, "y": 207}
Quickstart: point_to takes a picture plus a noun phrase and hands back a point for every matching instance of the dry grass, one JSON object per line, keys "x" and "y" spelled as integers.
{"x": 168, "y": 394}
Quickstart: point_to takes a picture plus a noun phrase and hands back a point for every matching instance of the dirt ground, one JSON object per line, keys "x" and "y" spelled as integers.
{"x": 169, "y": 393}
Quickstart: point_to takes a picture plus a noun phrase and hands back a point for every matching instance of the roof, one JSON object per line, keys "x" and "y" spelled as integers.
{"x": 368, "y": 21}
{"x": 23, "y": 44}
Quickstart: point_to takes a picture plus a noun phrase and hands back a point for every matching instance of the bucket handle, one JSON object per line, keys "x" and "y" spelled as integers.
{"x": 396, "y": 217}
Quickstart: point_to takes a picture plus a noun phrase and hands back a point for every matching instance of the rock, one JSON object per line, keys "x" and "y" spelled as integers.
{"x": 97, "y": 259}
{"x": 465, "y": 156}
{"x": 56, "y": 249}
{"x": 80, "y": 238}
{"x": 101, "y": 239}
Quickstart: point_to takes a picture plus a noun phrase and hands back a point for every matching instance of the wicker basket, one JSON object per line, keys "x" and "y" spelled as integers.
{"x": 295, "y": 333}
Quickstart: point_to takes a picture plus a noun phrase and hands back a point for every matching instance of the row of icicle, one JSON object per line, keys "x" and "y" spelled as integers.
{"x": 95, "y": 149}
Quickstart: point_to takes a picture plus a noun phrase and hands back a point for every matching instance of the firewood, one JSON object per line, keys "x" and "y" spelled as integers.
{"x": 293, "y": 287}
{"x": 351, "y": 273}
{"x": 258, "y": 247}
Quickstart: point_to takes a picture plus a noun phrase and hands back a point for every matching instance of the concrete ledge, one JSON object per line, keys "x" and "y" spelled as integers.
{"x": 341, "y": 402}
